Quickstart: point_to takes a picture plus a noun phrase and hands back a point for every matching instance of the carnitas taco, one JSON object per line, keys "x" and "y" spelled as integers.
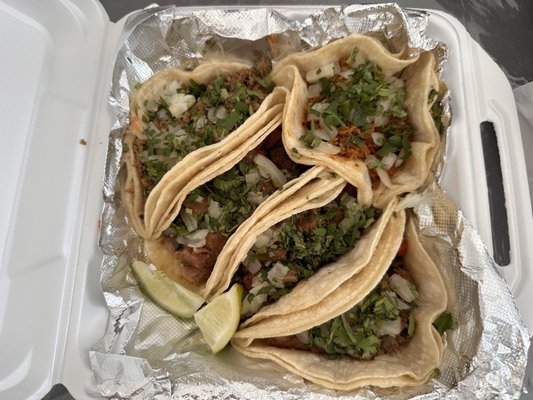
{"x": 302, "y": 250}
{"x": 211, "y": 213}
{"x": 182, "y": 126}
{"x": 376, "y": 329}
{"x": 364, "y": 112}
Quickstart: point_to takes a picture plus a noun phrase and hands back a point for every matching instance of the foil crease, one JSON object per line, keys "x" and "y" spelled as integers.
{"x": 148, "y": 354}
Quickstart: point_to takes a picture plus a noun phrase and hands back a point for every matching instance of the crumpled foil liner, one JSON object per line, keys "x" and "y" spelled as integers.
{"x": 148, "y": 354}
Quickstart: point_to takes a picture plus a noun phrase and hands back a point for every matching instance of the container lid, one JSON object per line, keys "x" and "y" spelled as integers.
{"x": 51, "y": 81}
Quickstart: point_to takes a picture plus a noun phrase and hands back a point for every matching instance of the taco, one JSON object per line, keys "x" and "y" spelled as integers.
{"x": 363, "y": 112}
{"x": 182, "y": 126}
{"x": 210, "y": 213}
{"x": 302, "y": 250}
{"x": 374, "y": 330}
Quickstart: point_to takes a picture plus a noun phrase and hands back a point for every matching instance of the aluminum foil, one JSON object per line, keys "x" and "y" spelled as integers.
{"x": 148, "y": 354}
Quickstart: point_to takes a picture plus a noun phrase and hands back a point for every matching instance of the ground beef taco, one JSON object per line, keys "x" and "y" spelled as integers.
{"x": 182, "y": 126}
{"x": 375, "y": 329}
{"x": 363, "y": 112}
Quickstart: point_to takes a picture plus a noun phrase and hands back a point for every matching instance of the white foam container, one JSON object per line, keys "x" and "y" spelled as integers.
{"x": 57, "y": 60}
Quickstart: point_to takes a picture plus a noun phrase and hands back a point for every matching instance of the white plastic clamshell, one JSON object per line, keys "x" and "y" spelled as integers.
{"x": 57, "y": 59}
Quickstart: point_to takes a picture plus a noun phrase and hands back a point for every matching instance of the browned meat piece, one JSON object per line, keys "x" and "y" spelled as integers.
{"x": 351, "y": 190}
{"x": 291, "y": 277}
{"x": 279, "y": 156}
{"x": 200, "y": 107}
{"x": 267, "y": 187}
{"x": 390, "y": 344}
{"x": 273, "y": 255}
{"x": 199, "y": 207}
{"x": 186, "y": 117}
{"x": 307, "y": 223}
{"x": 273, "y": 140}
{"x": 337, "y": 219}
{"x": 162, "y": 125}
{"x": 292, "y": 342}
{"x": 214, "y": 242}
{"x": 286, "y": 342}
{"x": 198, "y": 263}
{"x": 247, "y": 281}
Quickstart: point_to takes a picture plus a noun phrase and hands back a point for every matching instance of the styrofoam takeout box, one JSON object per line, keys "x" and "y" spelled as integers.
{"x": 57, "y": 60}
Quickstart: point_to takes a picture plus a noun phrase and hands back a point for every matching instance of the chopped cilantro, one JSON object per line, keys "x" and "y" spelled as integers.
{"x": 267, "y": 83}
{"x": 444, "y": 322}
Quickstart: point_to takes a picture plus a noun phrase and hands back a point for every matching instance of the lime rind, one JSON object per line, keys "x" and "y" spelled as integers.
{"x": 166, "y": 293}
{"x": 220, "y": 318}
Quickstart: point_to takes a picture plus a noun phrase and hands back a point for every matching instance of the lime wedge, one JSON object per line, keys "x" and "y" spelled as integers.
{"x": 219, "y": 319}
{"x": 168, "y": 294}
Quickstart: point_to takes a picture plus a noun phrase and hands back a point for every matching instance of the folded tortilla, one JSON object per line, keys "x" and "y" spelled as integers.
{"x": 154, "y": 189}
{"x": 315, "y": 196}
{"x": 412, "y": 363}
{"x": 255, "y": 178}
{"x": 377, "y": 132}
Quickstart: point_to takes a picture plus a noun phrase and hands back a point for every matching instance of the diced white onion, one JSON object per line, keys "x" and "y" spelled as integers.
{"x": 384, "y": 177}
{"x": 221, "y": 112}
{"x": 312, "y": 117}
{"x": 151, "y": 105}
{"x": 386, "y": 103}
{"x": 401, "y": 286}
{"x": 214, "y": 210}
{"x": 322, "y": 134}
{"x": 252, "y": 178}
{"x": 195, "y": 239}
{"x": 371, "y": 161}
{"x": 380, "y": 120}
{"x": 249, "y": 308}
{"x": 393, "y": 81}
{"x": 268, "y": 169}
{"x": 346, "y": 74}
{"x": 392, "y": 328}
{"x": 399, "y": 160}
{"x": 178, "y": 103}
{"x": 320, "y": 107}
{"x": 303, "y": 337}
{"x": 314, "y": 90}
{"x": 255, "y": 198}
{"x": 378, "y": 138}
{"x": 253, "y": 265}
{"x": 331, "y": 131}
{"x": 173, "y": 86}
{"x": 162, "y": 115}
{"x": 190, "y": 222}
{"x": 325, "y": 71}
{"x": 277, "y": 274}
{"x": 328, "y": 148}
{"x": 211, "y": 115}
{"x": 389, "y": 160}
{"x": 402, "y": 305}
{"x": 347, "y": 200}
{"x": 264, "y": 238}
{"x": 201, "y": 122}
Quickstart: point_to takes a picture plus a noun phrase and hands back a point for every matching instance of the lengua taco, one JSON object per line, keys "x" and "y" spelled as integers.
{"x": 364, "y": 112}
{"x": 375, "y": 329}
{"x": 183, "y": 123}
{"x": 212, "y": 212}
{"x": 302, "y": 250}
